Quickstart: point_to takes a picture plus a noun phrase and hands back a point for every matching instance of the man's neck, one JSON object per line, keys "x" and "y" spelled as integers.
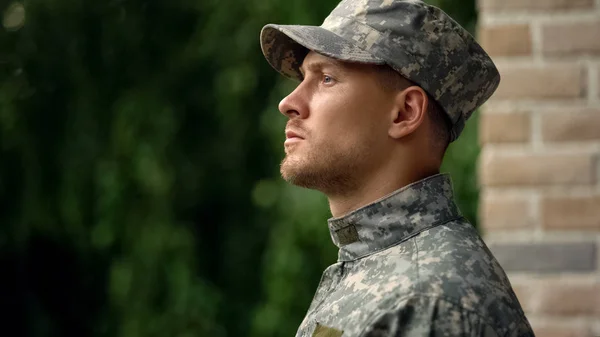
{"x": 376, "y": 188}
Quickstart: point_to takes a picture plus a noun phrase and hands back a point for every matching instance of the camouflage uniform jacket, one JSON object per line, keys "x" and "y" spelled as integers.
{"x": 410, "y": 265}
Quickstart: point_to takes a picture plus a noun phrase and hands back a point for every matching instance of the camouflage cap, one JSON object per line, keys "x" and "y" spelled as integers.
{"x": 418, "y": 40}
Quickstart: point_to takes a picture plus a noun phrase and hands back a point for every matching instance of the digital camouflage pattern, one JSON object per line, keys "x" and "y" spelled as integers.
{"x": 418, "y": 40}
{"x": 410, "y": 265}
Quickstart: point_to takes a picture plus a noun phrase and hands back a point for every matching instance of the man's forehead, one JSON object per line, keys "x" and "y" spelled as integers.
{"x": 314, "y": 60}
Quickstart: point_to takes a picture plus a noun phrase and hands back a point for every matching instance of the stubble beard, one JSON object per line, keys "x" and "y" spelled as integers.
{"x": 324, "y": 170}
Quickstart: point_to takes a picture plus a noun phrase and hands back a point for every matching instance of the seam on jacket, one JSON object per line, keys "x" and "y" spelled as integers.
{"x": 414, "y": 240}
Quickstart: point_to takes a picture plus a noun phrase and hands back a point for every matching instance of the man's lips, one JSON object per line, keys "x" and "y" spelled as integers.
{"x": 289, "y": 134}
{"x": 292, "y": 137}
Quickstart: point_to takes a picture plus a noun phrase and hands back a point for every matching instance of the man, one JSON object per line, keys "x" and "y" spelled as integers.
{"x": 385, "y": 85}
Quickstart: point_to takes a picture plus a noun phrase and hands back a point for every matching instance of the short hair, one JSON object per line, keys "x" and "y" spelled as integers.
{"x": 391, "y": 80}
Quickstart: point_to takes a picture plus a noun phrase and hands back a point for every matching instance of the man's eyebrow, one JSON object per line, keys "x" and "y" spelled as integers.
{"x": 319, "y": 65}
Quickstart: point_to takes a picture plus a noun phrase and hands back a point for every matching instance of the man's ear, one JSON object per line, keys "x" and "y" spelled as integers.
{"x": 409, "y": 111}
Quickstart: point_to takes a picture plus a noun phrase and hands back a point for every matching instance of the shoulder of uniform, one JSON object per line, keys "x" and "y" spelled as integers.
{"x": 418, "y": 314}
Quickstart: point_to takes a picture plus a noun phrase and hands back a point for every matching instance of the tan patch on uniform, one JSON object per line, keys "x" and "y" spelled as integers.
{"x": 347, "y": 235}
{"x": 325, "y": 331}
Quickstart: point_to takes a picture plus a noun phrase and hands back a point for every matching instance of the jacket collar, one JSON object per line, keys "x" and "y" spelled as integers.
{"x": 394, "y": 218}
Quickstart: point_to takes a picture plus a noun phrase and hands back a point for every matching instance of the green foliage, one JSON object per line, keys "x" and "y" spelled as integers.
{"x": 460, "y": 163}
{"x": 463, "y": 11}
{"x": 139, "y": 182}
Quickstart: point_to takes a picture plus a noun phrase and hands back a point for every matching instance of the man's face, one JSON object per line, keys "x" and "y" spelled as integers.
{"x": 338, "y": 121}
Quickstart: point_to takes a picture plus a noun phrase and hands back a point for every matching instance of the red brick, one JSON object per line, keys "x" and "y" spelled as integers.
{"x": 559, "y": 297}
{"x": 561, "y": 332}
{"x": 525, "y": 297}
{"x": 562, "y": 298}
{"x": 504, "y": 127}
{"x": 525, "y": 5}
{"x": 506, "y": 40}
{"x": 505, "y": 213}
{"x": 506, "y": 169}
{"x": 598, "y": 81}
{"x": 549, "y": 82}
{"x": 571, "y": 38}
{"x": 578, "y": 126}
{"x": 571, "y": 213}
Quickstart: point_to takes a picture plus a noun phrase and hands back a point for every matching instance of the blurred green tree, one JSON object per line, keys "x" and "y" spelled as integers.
{"x": 139, "y": 184}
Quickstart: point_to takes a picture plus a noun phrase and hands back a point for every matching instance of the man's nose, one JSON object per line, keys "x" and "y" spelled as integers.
{"x": 294, "y": 105}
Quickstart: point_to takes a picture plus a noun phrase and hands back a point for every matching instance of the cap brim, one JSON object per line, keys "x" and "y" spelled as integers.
{"x": 286, "y": 46}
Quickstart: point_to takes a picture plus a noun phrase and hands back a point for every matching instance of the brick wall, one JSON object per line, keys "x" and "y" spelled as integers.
{"x": 539, "y": 169}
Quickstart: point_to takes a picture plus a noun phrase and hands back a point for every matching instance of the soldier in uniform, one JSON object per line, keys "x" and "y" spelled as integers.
{"x": 384, "y": 87}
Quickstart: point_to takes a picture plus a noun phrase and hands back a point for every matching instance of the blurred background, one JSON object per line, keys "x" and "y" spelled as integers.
{"x": 139, "y": 171}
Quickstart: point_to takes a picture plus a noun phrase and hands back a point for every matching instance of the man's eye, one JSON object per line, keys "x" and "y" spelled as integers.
{"x": 327, "y": 79}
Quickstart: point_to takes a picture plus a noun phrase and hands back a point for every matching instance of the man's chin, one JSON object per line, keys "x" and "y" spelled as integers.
{"x": 290, "y": 171}
{"x": 295, "y": 173}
